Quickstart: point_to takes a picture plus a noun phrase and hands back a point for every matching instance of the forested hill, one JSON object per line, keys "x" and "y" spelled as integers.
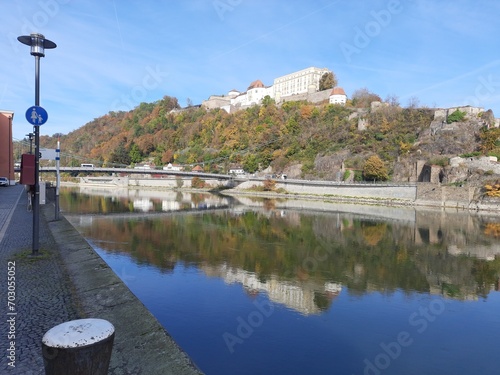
{"x": 306, "y": 140}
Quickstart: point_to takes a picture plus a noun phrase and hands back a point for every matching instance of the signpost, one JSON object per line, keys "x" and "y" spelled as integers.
{"x": 36, "y": 115}
{"x": 47, "y": 154}
{"x": 58, "y": 178}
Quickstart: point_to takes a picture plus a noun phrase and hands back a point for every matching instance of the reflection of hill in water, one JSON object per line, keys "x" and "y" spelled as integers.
{"x": 306, "y": 250}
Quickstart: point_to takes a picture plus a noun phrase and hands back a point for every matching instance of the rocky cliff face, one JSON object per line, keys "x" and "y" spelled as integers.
{"x": 435, "y": 156}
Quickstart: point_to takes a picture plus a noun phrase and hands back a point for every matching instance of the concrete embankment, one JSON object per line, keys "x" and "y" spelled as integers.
{"x": 462, "y": 197}
{"x": 141, "y": 345}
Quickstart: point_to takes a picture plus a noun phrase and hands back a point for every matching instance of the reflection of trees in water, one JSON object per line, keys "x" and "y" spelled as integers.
{"x": 373, "y": 233}
{"x": 363, "y": 254}
{"x": 492, "y": 229}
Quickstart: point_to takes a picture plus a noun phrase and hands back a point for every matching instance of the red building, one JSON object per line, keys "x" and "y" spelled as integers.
{"x": 6, "y": 147}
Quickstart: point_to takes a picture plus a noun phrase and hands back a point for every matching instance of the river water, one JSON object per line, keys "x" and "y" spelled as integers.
{"x": 266, "y": 286}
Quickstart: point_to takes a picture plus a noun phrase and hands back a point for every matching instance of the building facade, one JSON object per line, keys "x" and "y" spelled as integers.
{"x": 301, "y": 85}
{"x": 6, "y": 147}
{"x": 305, "y": 80}
{"x": 338, "y": 96}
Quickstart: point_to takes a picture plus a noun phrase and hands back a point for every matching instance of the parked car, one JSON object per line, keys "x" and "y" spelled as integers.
{"x": 4, "y": 181}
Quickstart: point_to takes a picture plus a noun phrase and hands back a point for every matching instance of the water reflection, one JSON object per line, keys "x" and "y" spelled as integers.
{"x": 302, "y": 259}
{"x": 92, "y": 200}
{"x": 339, "y": 282}
{"x": 304, "y": 297}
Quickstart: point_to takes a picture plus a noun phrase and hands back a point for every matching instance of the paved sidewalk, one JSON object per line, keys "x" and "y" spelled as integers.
{"x": 68, "y": 280}
{"x": 42, "y": 288}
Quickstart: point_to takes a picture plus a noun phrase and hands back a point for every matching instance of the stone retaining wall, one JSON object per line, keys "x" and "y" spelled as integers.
{"x": 405, "y": 193}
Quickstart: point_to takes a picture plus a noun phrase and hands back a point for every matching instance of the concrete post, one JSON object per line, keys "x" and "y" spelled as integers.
{"x": 78, "y": 347}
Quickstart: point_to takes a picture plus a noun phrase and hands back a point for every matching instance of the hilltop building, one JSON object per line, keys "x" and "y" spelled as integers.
{"x": 301, "y": 85}
{"x": 338, "y": 96}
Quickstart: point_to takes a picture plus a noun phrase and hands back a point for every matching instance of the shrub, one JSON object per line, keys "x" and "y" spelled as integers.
{"x": 470, "y": 154}
{"x": 269, "y": 185}
{"x": 495, "y": 152}
{"x": 198, "y": 183}
{"x": 456, "y": 116}
{"x": 347, "y": 173}
{"x": 493, "y": 189}
{"x": 358, "y": 175}
{"x": 441, "y": 161}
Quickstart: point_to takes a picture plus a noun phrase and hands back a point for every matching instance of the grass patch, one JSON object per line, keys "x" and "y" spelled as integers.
{"x": 26, "y": 255}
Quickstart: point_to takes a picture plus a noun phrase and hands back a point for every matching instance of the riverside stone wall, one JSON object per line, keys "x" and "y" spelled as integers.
{"x": 168, "y": 183}
{"x": 404, "y": 193}
{"x": 419, "y": 194}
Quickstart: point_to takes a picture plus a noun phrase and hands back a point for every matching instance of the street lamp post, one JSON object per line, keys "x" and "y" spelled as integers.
{"x": 38, "y": 44}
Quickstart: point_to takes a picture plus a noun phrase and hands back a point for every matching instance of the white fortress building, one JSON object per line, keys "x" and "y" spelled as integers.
{"x": 301, "y": 85}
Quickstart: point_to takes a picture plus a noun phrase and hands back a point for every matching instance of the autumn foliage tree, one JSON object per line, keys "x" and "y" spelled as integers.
{"x": 198, "y": 183}
{"x": 362, "y": 98}
{"x": 327, "y": 81}
{"x": 269, "y": 185}
{"x": 490, "y": 139}
{"x": 493, "y": 189}
{"x": 375, "y": 169}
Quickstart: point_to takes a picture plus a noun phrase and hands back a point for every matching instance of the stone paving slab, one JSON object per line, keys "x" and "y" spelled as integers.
{"x": 67, "y": 281}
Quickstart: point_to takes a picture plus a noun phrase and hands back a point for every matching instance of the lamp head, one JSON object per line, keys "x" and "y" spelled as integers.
{"x": 37, "y": 42}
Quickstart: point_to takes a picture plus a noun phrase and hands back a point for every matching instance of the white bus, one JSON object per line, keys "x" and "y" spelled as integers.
{"x": 87, "y": 165}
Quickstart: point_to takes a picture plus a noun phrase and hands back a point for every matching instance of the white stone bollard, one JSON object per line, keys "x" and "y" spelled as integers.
{"x": 78, "y": 347}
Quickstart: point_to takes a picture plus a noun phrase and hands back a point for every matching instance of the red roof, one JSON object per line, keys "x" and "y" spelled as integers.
{"x": 256, "y": 84}
{"x": 338, "y": 91}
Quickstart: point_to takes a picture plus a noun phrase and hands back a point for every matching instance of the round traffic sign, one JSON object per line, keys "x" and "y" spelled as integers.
{"x": 36, "y": 115}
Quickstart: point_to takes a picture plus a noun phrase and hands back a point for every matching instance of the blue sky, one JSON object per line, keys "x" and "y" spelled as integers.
{"x": 113, "y": 55}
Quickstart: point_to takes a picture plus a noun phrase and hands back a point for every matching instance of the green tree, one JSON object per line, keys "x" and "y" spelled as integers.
{"x": 327, "y": 81}
{"x": 250, "y": 163}
{"x": 135, "y": 154}
{"x": 120, "y": 155}
{"x": 375, "y": 169}
{"x": 267, "y": 100}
